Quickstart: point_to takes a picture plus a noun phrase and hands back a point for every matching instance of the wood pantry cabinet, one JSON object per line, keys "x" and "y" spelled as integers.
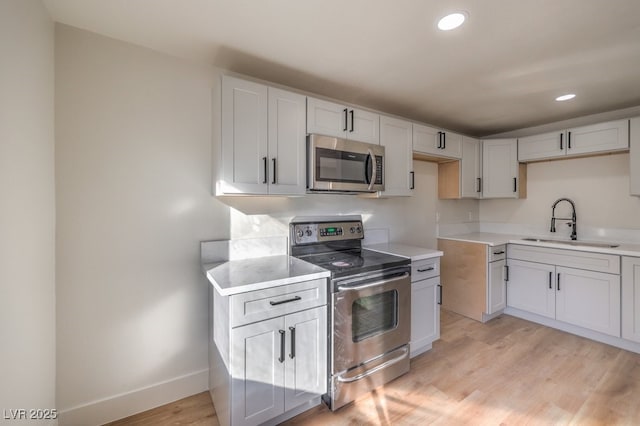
{"x": 263, "y": 139}
{"x": 472, "y": 278}
{"x": 396, "y": 137}
{"x": 571, "y": 286}
{"x": 631, "y": 298}
{"x": 341, "y": 121}
{"x": 273, "y": 349}
{"x": 598, "y": 138}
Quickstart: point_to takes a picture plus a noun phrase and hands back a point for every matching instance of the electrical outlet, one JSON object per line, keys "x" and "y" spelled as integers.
{"x": 470, "y": 216}
{"x": 437, "y": 217}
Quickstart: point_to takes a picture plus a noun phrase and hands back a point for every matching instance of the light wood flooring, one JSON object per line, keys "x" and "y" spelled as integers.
{"x": 505, "y": 372}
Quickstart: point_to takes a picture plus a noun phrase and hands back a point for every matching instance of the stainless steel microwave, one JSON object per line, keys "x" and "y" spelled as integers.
{"x": 341, "y": 165}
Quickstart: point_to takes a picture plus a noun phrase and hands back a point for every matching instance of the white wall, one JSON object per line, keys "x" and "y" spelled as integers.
{"x": 411, "y": 220}
{"x": 27, "y": 209}
{"x": 599, "y": 186}
{"x": 133, "y": 187}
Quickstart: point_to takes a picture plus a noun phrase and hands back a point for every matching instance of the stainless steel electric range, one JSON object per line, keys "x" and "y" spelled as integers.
{"x": 370, "y": 312}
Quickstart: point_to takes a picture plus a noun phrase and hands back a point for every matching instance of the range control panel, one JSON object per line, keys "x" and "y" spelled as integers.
{"x": 306, "y": 233}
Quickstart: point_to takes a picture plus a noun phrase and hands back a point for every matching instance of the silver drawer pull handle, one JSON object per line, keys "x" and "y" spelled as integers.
{"x": 375, "y": 369}
{"x": 426, "y": 269}
{"x": 373, "y": 284}
{"x": 280, "y": 302}
{"x": 498, "y": 252}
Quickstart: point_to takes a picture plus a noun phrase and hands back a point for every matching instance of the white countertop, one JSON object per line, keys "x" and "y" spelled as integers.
{"x": 240, "y": 276}
{"x": 412, "y": 252}
{"x": 623, "y": 249}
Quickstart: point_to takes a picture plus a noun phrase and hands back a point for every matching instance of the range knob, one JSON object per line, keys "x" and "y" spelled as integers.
{"x": 309, "y": 232}
{"x": 352, "y": 230}
{"x": 358, "y": 230}
{"x": 299, "y": 233}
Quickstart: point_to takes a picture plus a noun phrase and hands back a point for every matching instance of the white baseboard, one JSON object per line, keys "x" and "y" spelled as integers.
{"x": 126, "y": 404}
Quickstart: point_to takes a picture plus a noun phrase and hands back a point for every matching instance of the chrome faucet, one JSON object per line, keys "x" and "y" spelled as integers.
{"x": 574, "y": 236}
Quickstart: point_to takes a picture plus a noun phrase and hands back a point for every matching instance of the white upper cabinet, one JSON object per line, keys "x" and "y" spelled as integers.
{"x": 634, "y": 156}
{"x": 471, "y": 168}
{"x": 396, "y": 137}
{"x": 263, "y": 144}
{"x": 332, "y": 119}
{"x": 541, "y": 147}
{"x": 500, "y": 168}
{"x": 610, "y": 136}
{"x": 430, "y": 141}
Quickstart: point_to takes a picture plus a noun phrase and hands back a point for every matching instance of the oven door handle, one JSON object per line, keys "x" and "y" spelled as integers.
{"x": 374, "y": 370}
{"x": 373, "y": 284}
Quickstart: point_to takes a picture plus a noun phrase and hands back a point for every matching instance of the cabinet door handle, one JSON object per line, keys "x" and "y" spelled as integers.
{"x": 506, "y": 272}
{"x": 499, "y": 252}
{"x": 479, "y": 180}
{"x": 281, "y": 357}
{"x": 515, "y": 184}
{"x": 558, "y": 282}
{"x": 264, "y": 165}
{"x": 568, "y": 140}
{"x": 280, "y": 302}
{"x": 273, "y": 160}
{"x": 550, "y": 275}
{"x": 560, "y": 141}
{"x": 439, "y": 294}
{"x": 444, "y": 140}
{"x": 346, "y": 120}
{"x": 431, "y": 268}
{"x": 352, "y": 126}
{"x": 413, "y": 180}
{"x": 439, "y": 140}
{"x": 293, "y": 342}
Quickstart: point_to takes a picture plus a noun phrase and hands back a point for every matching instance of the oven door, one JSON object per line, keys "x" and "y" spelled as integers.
{"x": 343, "y": 165}
{"x": 371, "y": 316}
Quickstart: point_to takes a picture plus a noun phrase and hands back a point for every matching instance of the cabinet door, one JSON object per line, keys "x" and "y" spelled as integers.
{"x": 451, "y": 145}
{"x": 588, "y": 299}
{"x": 287, "y": 142}
{"x": 500, "y": 168}
{"x": 541, "y": 147}
{"x": 306, "y": 353}
{"x": 631, "y": 298}
{"x": 531, "y": 287}
{"x": 602, "y": 137}
{"x": 470, "y": 168}
{"x": 425, "y": 314}
{"x": 634, "y": 156}
{"x": 257, "y": 370}
{"x": 363, "y": 126}
{"x": 396, "y": 137}
{"x": 244, "y": 137}
{"x": 326, "y": 118}
{"x": 497, "y": 291}
{"x": 426, "y": 140}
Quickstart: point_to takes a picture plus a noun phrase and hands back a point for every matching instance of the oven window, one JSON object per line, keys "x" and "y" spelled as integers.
{"x": 375, "y": 314}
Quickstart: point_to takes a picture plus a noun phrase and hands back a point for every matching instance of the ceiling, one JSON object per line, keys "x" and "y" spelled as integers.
{"x": 500, "y": 71}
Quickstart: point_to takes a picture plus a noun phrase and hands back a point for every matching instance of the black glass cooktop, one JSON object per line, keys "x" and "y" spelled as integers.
{"x": 357, "y": 261}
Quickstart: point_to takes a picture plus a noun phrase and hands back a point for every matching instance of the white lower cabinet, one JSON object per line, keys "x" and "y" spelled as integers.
{"x": 277, "y": 365}
{"x": 497, "y": 290}
{"x": 631, "y": 298}
{"x": 425, "y": 305}
{"x": 580, "y": 297}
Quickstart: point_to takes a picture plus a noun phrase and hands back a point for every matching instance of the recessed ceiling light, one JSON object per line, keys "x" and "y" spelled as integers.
{"x": 565, "y": 97}
{"x": 451, "y": 21}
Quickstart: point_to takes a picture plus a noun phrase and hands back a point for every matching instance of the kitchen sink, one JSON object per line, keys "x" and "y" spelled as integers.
{"x": 572, "y": 243}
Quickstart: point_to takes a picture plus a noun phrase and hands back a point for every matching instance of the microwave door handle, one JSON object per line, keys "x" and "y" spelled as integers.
{"x": 374, "y": 172}
{"x": 367, "y": 179}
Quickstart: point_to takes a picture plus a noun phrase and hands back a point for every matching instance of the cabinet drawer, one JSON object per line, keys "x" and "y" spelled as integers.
{"x": 599, "y": 262}
{"x": 426, "y": 268}
{"x": 272, "y": 302}
{"x": 497, "y": 252}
